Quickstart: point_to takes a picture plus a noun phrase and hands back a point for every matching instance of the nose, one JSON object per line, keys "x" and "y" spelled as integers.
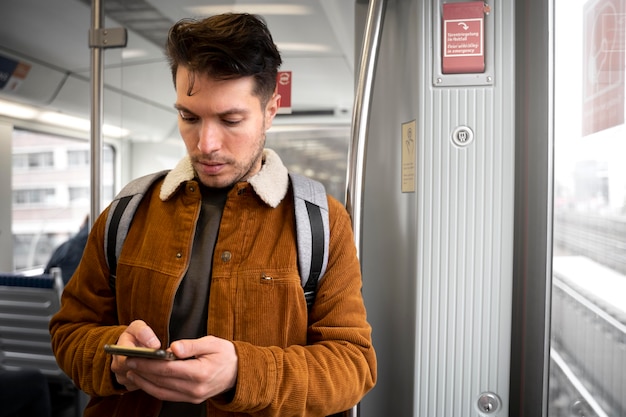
{"x": 209, "y": 139}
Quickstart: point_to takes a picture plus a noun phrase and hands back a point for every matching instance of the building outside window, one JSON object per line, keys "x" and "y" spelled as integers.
{"x": 51, "y": 193}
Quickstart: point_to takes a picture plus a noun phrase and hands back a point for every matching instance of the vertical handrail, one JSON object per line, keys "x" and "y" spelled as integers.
{"x": 99, "y": 38}
{"x": 360, "y": 117}
{"x": 97, "y": 103}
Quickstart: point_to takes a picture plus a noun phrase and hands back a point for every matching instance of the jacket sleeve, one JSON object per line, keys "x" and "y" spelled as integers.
{"x": 336, "y": 368}
{"x": 87, "y": 320}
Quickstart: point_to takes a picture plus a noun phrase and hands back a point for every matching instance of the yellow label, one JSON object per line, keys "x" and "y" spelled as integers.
{"x": 409, "y": 151}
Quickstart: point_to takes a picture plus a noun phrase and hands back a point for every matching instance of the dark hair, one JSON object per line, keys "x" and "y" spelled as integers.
{"x": 226, "y": 46}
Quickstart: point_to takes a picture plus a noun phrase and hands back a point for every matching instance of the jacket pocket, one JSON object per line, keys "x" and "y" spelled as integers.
{"x": 267, "y": 307}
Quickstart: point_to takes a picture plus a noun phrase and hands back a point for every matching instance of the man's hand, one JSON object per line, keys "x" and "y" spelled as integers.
{"x": 138, "y": 334}
{"x": 206, "y": 367}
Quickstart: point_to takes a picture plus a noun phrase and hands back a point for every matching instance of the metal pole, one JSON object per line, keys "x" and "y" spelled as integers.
{"x": 99, "y": 39}
{"x": 97, "y": 67}
{"x": 360, "y": 118}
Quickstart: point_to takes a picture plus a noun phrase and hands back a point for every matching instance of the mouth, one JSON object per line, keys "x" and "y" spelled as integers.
{"x": 210, "y": 167}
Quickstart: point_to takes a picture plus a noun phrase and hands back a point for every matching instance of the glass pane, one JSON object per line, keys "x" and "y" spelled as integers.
{"x": 588, "y": 334}
{"x": 51, "y": 193}
{"x": 319, "y": 152}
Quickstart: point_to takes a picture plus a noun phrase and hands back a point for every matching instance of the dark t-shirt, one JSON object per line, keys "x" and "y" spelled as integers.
{"x": 189, "y": 315}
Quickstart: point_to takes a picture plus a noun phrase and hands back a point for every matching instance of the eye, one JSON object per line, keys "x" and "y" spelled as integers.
{"x": 231, "y": 122}
{"x": 186, "y": 116}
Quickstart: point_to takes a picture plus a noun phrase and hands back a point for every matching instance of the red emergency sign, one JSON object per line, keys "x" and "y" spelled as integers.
{"x": 463, "y": 37}
{"x": 283, "y": 85}
{"x": 603, "y": 72}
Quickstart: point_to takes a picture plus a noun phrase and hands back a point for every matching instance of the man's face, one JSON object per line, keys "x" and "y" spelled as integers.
{"x": 223, "y": 126}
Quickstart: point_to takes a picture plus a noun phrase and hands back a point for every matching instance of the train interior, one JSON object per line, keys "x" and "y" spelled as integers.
{"x": 562, "y": 350}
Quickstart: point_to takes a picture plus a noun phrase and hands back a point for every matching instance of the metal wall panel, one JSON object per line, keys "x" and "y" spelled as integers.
{"x": 437, "y": 262}
{"x": 466, "y": 244}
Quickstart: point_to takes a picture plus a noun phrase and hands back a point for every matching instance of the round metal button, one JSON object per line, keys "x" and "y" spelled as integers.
{"x": 226, "y": 256}
{"x": 488, "y": 403}
{"x": 462, "y": 136}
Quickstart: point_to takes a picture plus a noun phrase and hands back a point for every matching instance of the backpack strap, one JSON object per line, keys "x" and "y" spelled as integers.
{"x": 312, "y": 232}
{"x": 120, "y": 217}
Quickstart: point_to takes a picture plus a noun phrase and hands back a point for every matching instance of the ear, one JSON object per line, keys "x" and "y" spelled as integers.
{"x": 271, "y": 109}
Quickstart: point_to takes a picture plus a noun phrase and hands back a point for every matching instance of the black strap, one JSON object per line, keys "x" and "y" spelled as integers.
{"x": 112, "y": 237}
{"x": 317, "y": 251}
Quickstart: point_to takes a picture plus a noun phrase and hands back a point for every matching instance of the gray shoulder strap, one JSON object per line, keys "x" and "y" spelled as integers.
{"x": 120, "y": 216}
{"x": 312, "y": 231}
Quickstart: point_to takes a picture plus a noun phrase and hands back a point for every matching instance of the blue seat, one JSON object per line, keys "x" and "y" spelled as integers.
{"x": 26, "y": 307}
{"x": 27, "y": 303}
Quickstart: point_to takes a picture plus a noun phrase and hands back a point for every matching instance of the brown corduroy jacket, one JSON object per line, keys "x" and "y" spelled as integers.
{"x": 290, "y": 363}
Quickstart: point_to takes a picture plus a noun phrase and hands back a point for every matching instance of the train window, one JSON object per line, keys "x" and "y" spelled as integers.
{"x": 78, "y": 157}
{"x": 34, "y": 196}
{"x": 588, "y": 330}
{"x": 318, "y": 151}
{"x": 50, "y": 193}
{"x": 33, "y": 160}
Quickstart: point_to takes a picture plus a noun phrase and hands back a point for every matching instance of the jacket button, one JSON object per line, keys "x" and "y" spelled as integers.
{"x": 179, "y": 255}
{"x": 226, "y": 255}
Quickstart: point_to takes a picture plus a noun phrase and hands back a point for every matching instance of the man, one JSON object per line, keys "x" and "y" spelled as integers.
{"x": 209, "y": 267}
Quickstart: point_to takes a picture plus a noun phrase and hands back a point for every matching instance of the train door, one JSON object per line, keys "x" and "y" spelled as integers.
{"x": 494, "y": 283}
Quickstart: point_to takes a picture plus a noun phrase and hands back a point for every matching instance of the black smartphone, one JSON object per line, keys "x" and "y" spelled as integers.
{"x": 140, "y": 352}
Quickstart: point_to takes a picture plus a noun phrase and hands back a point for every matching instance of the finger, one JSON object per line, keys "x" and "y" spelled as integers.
{"x": 192, "y": 348}
{"x": 126, "y": 382}
{"x": 193, "y": 378}
{"x": 167, "y": 388}
{"x": 120, "y": 370}
{"x": 143, "y": 334}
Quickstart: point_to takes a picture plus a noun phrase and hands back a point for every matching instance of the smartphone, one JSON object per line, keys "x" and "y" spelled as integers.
{"x": 139, "y": 352}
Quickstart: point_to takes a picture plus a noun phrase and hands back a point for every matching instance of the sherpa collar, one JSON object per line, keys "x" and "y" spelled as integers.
{"x": 270, "y": 183}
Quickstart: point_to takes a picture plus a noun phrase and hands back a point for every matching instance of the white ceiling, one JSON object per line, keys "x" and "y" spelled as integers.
{"x": 52, "y": 36}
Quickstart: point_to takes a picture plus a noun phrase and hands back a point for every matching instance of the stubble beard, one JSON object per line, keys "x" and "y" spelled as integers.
{"x": 240, "y": 171}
